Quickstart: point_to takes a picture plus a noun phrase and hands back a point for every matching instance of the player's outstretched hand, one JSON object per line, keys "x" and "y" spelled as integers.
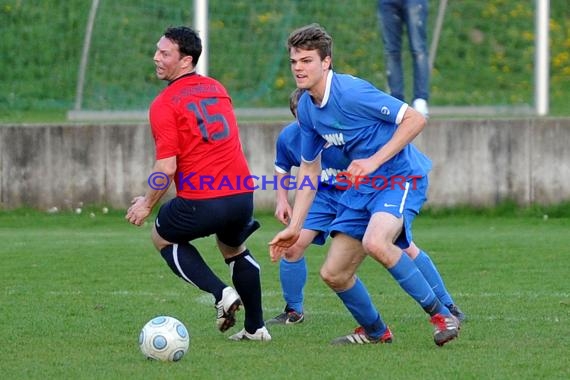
{"x": 138, "y": 212}
{"x": 281, "y": 242}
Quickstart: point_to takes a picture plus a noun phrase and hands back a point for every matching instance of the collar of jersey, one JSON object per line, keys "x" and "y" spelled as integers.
{"x": 327, "y": 89}
{"x": 182, "y": 76}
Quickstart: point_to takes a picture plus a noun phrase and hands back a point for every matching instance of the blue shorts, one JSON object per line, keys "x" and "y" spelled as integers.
{"x": 323, "y": 212}
{"x": 356, "y": 208}
{"x": 229, "y": 218}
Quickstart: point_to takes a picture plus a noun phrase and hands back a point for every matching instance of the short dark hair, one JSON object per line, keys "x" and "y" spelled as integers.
{"x": 311, "y": 37}
{"x": 188, "y": 41}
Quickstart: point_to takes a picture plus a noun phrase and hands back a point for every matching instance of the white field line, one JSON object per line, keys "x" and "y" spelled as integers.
{"x": 275, "y": 293}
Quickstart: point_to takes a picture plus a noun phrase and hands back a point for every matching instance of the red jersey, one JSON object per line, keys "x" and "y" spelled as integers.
{"x": 193, "y": 119}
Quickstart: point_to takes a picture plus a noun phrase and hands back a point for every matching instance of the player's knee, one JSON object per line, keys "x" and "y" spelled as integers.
{"x": 378, "y": 248}
{"x": 412, "y": 251}
{"x": 326, "y": 277}
{"x": 294, "y": 253}
{"x": 159, "y": 245}
{"x": 335, "y": 281}
{"x": 158, "y": 241}
{"x": 229, "y": 252}
{"x": 377, "y": 245}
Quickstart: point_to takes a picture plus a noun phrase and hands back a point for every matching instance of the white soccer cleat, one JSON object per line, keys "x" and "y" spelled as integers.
{"x": 261, "y": 335}
{"x": 227, "y": 308}
{"x": 359, "y": 336}
{"x": 446, "y": 328}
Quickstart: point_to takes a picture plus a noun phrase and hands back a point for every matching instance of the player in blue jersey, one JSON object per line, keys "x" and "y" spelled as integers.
{"x": 293, "y": 266}
{"x": 388, "y": 185}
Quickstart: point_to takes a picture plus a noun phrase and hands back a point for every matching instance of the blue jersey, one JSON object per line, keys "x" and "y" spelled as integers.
{"x": 288, "y": 154}
{"x": 360, "y": 119}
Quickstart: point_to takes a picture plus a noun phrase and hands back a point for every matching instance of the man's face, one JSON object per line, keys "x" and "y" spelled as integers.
{"x": 307, "y": 68}
{"x": 168, "y": 61}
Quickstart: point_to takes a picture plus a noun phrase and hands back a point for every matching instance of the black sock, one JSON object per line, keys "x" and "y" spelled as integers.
{"x": 247, "y": 281}
{"x": 187, "y": 263}
{"x": 433, "y": 308}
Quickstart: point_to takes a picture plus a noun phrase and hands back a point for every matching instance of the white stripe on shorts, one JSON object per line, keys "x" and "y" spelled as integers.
{"x": 404, "y": 197}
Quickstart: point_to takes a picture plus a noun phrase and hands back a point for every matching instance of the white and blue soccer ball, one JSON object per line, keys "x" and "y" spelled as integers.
{"x": 164, "y": 338}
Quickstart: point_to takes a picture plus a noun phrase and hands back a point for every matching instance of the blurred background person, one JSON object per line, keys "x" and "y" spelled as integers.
{"x": 393, "y": 15}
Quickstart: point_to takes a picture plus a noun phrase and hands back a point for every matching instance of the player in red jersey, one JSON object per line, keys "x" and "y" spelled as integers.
{"x": 198, "y": 148}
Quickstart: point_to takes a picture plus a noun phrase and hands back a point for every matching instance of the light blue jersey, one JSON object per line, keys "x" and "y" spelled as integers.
{"x": 333, "y": 161}
{"x": 360, "y": 119}
{"x": 288, "y": 155}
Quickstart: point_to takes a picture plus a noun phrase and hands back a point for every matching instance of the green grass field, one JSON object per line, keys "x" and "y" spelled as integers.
{"x": 76, "y": 289}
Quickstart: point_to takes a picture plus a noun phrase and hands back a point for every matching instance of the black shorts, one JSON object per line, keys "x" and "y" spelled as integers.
{"x": 229, "y": 218}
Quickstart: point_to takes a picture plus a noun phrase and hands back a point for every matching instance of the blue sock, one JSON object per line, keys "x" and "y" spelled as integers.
{"x": 432, "y": 276}
{"x": 187, "y": 263}
{"x": 413, "y": 282}
{"x": 358, "y": 302}
{"x": 293, "y": 277}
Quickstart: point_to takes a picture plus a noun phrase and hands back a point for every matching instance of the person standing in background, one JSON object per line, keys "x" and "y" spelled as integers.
{"x": 393, "y": 15}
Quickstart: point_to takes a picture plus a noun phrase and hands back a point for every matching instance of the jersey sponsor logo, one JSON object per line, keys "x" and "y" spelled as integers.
{"x": 334, "y": 138}
{"x": 385, "y": 110}
{"x": 329, "y": 174}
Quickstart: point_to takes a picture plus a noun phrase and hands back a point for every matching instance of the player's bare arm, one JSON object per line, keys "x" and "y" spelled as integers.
{"x": 142, "y": 206}
{"x": 303, "y": 200}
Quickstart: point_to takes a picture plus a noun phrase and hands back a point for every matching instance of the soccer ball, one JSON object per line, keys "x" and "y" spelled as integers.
{"x": 164, "y": 338}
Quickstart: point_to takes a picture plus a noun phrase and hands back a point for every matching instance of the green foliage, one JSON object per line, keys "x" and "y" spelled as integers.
{"x": 485, "y": 54}
{"x": 77, "y": 289}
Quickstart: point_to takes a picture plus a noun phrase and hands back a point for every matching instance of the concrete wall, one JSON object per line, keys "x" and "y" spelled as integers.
{"x": 478, "y": 162}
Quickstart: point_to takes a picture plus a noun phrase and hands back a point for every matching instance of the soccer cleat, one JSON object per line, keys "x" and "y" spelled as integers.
{"x": 227, "y": 308}
{"x": 457, "y": 312}
{"x": 360, "y": 337}
{"x": 261, "y": 335}
{"x": 446, "y": 328}
{"x": 288, "y": 317}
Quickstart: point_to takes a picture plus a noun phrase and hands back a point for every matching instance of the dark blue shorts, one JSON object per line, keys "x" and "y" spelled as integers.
{"x": 229, "y": 218}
